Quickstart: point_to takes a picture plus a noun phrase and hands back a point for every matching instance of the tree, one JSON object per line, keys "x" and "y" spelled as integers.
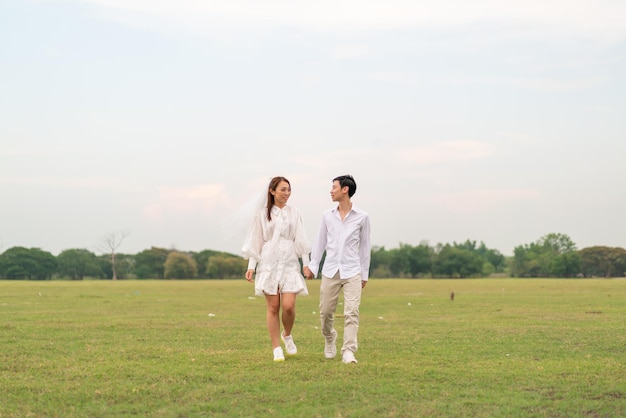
{"x": 603, "y": 261}
{"x": 419, "y": 259}
{"x": 224, "y": 266}
{"x": 24, "y": 263}
{"x": 124, "y": 265}
{"x": 379, "y": 263}
{"x": 398, "y": 262}
{"x": 553, "y": 255}
{"x": 467, "y": 245}
{"x": 180, "y": 266}
{"x": 493, "y": 260}
{"x": 493, "y": 257}
{"x": 378, "y": 257}
{"x": 202, "y": 258}
{"x": 112, "y": 242}
{"x": 557, "y": 243}
{"x": 151, "y": 263}
{"x": 78, "y": 263}
{"x": 452, "y": 261}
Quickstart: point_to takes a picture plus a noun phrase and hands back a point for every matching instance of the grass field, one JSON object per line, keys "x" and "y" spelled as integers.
{"x": 502, "y": 348}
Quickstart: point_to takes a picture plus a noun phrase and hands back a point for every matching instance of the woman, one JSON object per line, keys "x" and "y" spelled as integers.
{"x": 275, "y": 242}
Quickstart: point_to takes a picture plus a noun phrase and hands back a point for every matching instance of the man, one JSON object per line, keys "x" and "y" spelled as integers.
{"x": 345, "y": 236}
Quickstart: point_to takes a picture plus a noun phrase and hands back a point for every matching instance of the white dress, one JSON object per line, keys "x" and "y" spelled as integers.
{"x": 274, "y": 248}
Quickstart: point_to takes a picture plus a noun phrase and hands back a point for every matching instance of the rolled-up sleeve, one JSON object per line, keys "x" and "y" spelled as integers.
{"x": 365, "y": 249}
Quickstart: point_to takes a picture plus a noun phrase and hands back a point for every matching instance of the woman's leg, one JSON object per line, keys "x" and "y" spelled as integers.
{"x": 273, "y": 322}
{"x": 289, "y": 312}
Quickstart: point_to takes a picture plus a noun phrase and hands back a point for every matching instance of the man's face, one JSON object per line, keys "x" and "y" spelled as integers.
{"x": 336, "y": 192}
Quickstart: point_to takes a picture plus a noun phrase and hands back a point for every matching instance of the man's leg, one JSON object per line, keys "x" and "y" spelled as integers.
{"x": 329, "y": 294}
{"x": 352, "y": 300}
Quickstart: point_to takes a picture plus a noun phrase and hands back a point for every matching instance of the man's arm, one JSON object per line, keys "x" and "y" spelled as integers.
{"x": 365, "y": 249}
{"x": 317, "y": 251}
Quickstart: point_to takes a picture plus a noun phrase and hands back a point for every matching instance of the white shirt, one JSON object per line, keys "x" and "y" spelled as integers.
{"x": 347, "y": 245}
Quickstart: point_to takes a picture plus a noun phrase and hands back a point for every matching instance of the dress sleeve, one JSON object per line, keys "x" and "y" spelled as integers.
{"x": 253, "y": 243}
{"x": 301, "y": 241}
{"x": 318, "y": 248}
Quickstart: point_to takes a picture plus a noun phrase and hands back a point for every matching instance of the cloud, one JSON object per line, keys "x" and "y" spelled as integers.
{"x": 12, "y": 151}
{"x": 600, "y": 20}
{"x": 310, "y": 81}
{"x": 398, "y": 159}
{"x": 519, "y": 138}
{"x": 87, "y": 182}
{"x": 185, "y": 201}
{"x": 481, "y": 200}
{"x": 443, "y": 152}
{"x": 351, "y": 51}
{"x": 534, "y": 83}
{"x": 392, "y": 77}
{"x": 601, "y": 109}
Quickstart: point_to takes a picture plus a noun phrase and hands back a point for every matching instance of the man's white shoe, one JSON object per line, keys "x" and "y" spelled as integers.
{"x": 278, "y": 354}
{"x": 348, "y": 357}
{"x": 290, "y": 346}
{"x": 330, "y": 349}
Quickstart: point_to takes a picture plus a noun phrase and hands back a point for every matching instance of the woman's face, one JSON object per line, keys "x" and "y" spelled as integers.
{"x": 281, "y": 194}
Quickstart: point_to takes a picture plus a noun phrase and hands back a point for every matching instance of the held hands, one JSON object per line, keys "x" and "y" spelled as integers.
{"x": 308, "y": 274}
{"x": 249, "y": 275}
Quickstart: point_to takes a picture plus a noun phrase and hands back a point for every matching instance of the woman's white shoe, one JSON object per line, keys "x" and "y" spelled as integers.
{"x": 290, "y": 346}
{"x": 278, "y": 354}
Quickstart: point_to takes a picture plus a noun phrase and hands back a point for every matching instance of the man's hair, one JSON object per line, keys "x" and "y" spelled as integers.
{"x": 347, "y": 180}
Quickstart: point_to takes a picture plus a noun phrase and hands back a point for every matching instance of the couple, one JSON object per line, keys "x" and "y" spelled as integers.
{"x": 275, "y": 242}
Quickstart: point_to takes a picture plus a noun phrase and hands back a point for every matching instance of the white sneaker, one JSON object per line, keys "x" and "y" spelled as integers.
{"x": 348, "y": 357}
{"x": 278, "y": 354}
{"x": 290, "y": 346}
{"x": 330, "y": 349}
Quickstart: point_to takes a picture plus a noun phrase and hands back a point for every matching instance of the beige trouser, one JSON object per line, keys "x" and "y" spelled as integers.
{"x": 329, "y": 294}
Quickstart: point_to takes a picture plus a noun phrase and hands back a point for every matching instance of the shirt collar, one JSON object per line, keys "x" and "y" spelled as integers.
{"x": 276, "y": 209}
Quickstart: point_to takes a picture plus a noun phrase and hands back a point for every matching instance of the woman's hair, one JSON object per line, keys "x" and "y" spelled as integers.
{"x": 347, "y": 180}
{"x": 270, "y": 197}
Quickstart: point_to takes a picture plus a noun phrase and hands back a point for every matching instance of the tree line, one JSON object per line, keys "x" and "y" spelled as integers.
{"x": 553, "y": 255}
{"x": 19, "y": 263}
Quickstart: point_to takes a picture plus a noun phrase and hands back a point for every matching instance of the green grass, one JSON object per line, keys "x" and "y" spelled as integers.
{"x": 502, "y": 348}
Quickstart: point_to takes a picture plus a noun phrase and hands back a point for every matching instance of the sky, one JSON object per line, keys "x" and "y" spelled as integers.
{"x": 490, "y": 121}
